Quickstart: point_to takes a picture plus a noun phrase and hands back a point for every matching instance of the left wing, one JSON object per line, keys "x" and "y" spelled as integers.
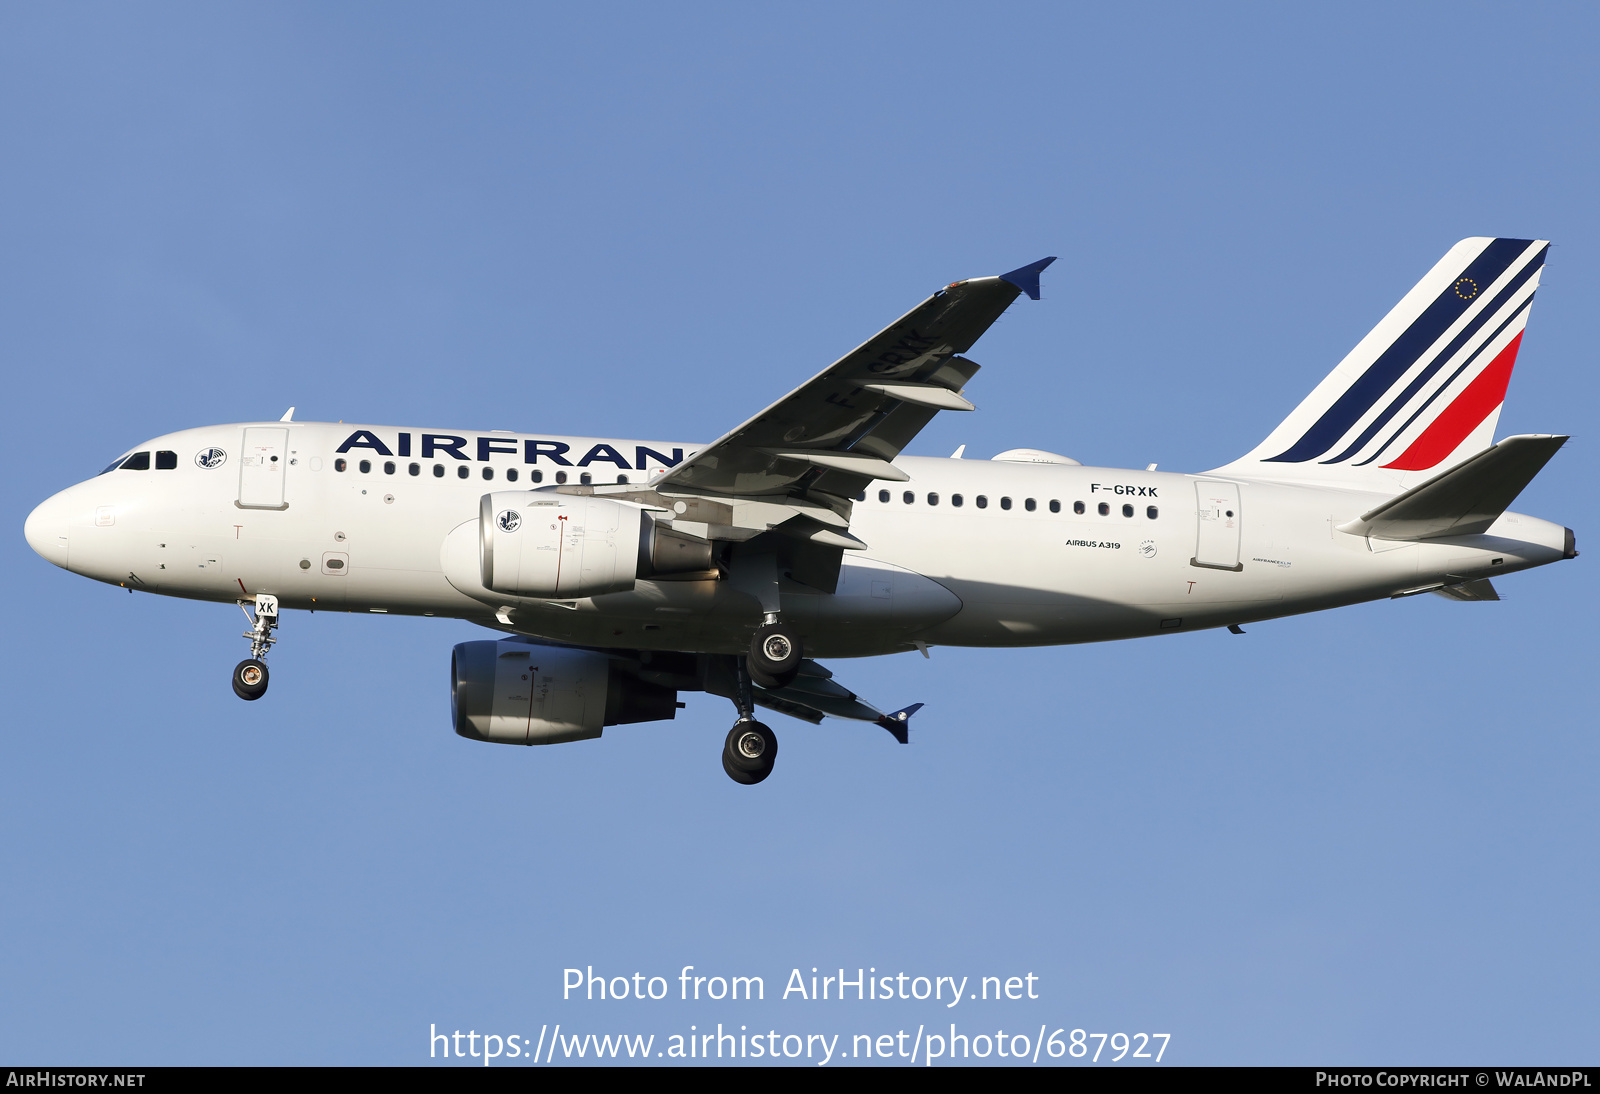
{"x": 824, "y": 442}
{"x": 813, "y": 695}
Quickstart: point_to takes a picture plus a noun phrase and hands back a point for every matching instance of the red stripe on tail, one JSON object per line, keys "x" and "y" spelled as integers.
{"x": 1461, "y": 417}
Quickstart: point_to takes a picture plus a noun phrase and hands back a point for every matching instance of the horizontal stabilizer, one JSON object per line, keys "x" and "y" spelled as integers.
{"x": 1464, "y": 500}
{"x": 1479, "y": 589}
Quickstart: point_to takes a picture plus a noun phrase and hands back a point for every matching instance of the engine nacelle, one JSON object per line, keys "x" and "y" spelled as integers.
{"x": 565, "y": 546}
{"x": 520, "y": 693}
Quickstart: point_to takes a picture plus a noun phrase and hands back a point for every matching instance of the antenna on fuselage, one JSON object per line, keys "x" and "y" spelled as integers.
{"x": 288, "y": 415}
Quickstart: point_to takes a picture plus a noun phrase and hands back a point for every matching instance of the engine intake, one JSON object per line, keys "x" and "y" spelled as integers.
{"x": 521, "y": 693}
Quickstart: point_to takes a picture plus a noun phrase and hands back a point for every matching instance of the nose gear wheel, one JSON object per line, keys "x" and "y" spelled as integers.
{"x": 250, "y": 679}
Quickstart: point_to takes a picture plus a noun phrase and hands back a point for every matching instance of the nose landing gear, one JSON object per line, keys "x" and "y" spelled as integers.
{"x": 250, "y": 675}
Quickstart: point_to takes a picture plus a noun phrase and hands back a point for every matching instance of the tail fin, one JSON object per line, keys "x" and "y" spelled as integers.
{"x": 1423, "y": 390}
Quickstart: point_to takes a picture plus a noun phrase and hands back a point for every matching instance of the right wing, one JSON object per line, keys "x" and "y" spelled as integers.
{"x": 824, "y": 442}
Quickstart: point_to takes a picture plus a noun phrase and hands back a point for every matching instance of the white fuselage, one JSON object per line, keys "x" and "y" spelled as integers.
{"x": 1020, "y": 567}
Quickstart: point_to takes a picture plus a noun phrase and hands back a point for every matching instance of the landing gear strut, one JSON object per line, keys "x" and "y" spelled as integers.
{"x": 250, "y": 675}
{"x": 751, "y": 748}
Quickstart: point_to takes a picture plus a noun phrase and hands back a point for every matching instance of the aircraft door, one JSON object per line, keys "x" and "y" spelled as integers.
{"x": 261, "y": 468}
{"x": 1217, "y": 536}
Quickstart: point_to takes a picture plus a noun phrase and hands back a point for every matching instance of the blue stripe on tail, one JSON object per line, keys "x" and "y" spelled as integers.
{"x": 1402, "y": 353}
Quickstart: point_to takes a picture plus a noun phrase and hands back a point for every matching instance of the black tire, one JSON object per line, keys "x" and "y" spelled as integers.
{"x": 250, "y": 679}
{"x": 751, "y": 749}
{"x": 775, "y": 653}
{"x": 743, "y": 777}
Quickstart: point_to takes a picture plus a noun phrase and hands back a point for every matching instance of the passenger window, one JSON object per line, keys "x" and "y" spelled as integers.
{"x": 933, "y": 499}
{"x": 488, "y": 473}
{"x": 365, "y": 466}
{"x": 139, "y": 461}
{"x": 883, "y": 495}
{"x": 1030, "y": 505}
{"x": 561, "y": 476}
{"x": 414, "y": 469}
{"x": 536, "y": 476}
{"x": 1127, "y": 510}
{"x": 1077, "y": 507}
{"x": 983, "y": 502}
{"x": 166, "y": 461}
{"x": 462, "y": 472}
{"x": 585, "y": 479}
{"x": 388, "y": 467}
{"x": 1105, "y": 510}
{"x": 908, "y": 497}
{"x": 1055, "y": 506}
{"x": 511, "y": 474}
{"x": 1005, "y": 503}
{"x": 438, "y": 470}
{"x": 956, "y": 500}
{"x": 622, "y": 480}
{"x": 340, "y": 465}
{"x": 1152, "y": 512}
{"x": 861, "y": 496}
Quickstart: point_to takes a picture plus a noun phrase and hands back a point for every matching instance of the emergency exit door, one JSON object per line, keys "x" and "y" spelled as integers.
{"x": 261, "y": 468}
{"x": 1217, "y": 533}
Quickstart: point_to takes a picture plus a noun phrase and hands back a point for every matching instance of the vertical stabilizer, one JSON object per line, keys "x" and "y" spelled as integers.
{"x": 1423, "y": 390}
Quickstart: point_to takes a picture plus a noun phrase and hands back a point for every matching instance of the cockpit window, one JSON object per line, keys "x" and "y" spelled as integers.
{"x": 166, "y": 461}
{"x": 139, "y": 461}
{"x": 113, "y": 465}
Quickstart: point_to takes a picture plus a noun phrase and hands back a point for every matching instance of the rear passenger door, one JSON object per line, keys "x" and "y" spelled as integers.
{"x": 1217, "y": 532}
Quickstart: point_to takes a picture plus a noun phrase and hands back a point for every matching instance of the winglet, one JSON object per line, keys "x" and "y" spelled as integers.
{"x": 899, "y": 723}
{"x": 1026, "y": 277}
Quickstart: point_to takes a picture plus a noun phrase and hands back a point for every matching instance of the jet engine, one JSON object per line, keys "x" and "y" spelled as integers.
{"x": 562, "y": 546}
{"x": 522, "y": 693}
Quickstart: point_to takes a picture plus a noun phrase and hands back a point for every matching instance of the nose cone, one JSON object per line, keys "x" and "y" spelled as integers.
{"x": 46, "y": 529}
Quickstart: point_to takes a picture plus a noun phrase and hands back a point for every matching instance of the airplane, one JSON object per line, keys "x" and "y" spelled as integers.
{"x": 622, "y": 572}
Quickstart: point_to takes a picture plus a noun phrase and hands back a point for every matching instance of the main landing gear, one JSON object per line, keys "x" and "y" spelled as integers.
{"x": 751, "y": 748}
{"x": 774, "y": 658}
{"x": 749, "y": 752}
{"x": 250, "y": 675}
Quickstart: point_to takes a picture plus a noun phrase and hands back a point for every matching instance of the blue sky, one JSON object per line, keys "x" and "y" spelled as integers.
{"x": 1364, "y": 836}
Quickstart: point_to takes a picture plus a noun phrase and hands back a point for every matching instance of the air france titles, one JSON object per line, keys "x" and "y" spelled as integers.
{"x": 438, "y": 446}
